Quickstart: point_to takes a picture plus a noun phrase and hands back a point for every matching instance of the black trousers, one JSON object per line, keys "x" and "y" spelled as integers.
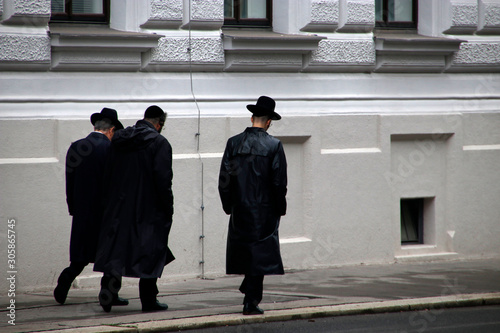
{"x": 111, "y": 284}
{"x": 253, "y": 287}
{"x": 69, "y": 274}
{"x": 148, "y": 290}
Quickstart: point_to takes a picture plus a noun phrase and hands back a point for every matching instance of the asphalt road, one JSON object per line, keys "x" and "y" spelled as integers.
{"x": 483, "y": 319}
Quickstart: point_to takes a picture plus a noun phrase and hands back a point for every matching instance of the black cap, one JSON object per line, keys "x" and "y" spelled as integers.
{"x": 108, "y": 113}
{"x": 264, "y": 107}
{"x": 153, "y": 111}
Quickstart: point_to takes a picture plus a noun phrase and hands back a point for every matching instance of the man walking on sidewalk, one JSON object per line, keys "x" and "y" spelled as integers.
{"x": 138, "y": 215}
{"x": 252, "y": 188}
{"x": 85, "y": 162}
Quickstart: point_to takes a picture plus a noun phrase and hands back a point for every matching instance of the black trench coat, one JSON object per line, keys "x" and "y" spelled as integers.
{"x": 85, "y": 161}
{"x": 252, "y": 188}
{"x": 138, "y": 214}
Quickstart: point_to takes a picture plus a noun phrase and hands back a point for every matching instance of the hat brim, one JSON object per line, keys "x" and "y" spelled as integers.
{"x": 260, "y": 112}
{"x": 95, "y": 117}
{"x": 118, "y": 125}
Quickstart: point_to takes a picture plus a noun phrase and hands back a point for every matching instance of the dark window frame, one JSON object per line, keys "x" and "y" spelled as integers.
{"x": 69, "y": 17}
{"x": 398, "y": 24}
{"x": 412, "y": 212}
{"x": 236, "y": 21}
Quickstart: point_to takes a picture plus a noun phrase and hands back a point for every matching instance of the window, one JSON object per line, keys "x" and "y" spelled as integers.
{"x": 412, "y": 221}
{"x": 396, "y": 13}
{"x": 91, "y": 11}
{"x": 247, "y": 13}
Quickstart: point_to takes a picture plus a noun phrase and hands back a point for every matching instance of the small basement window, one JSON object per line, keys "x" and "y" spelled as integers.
{"x": 412, "y": 221}
{"x": 81, "y": 11}
{"x": 402, "y": 14}
{"x": 246, "y": 13}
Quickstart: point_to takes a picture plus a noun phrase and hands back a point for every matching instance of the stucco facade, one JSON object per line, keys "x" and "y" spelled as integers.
{"x": 369, "y": 117}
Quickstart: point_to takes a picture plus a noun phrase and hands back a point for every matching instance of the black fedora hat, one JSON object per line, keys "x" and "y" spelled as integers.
{"x": 111, "y": 114}
{"x": 264, "y": 107}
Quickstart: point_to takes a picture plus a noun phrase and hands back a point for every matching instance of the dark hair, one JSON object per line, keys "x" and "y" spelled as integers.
{"x": 262, "y": 118}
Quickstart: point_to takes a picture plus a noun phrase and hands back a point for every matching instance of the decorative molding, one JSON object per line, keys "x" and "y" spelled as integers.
{"x": 266, "y": 51}
{"x": 76, "y": 95}
{"x": 266, "y": 41}
{"x": 263, "y": 62}
{"x": 99, "y": 48}
{"x": 410, "y": 52}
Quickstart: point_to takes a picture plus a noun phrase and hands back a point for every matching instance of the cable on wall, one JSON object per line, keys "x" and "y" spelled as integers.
{"x": 198, "y": 137}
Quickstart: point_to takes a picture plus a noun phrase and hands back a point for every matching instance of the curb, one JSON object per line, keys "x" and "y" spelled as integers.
{"x": 171, "y": 325}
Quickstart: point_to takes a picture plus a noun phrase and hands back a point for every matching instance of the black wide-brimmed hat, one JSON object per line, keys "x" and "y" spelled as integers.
{"x": 108, "y": 113}
{"x": 264, "y": 107}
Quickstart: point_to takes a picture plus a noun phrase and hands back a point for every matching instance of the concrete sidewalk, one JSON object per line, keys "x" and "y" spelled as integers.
{"x": 200, "y": 303}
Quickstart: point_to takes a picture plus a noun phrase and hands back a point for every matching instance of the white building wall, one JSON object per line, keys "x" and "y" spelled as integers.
{"x": 367, "y": 121}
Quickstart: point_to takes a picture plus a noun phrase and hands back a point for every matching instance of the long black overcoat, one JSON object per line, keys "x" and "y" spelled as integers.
{"x": 138, "y": 214}
{"x": 85, "y": 162}
{"x": 252, "y": 188}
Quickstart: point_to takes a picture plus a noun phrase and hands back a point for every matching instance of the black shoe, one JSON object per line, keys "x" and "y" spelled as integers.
{"x": 61, "y": 292}
{"x": 250, "y": 309}
{"x": 105, "y": 300}
{"x": 120, "y": 301}
{"x": 156, "y": 306}
{"x": 62, "y": 288}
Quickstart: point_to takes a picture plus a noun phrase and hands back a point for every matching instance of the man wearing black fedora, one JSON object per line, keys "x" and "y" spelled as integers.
{"x": 85, "y": 162}
{"x": 252, "y": 188}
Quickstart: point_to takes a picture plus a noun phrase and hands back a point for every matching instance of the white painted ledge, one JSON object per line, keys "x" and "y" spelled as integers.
{"x": 34, "y": 160}
{"x": 196, "y": 156}
{"x": 481, "y": 147}
{"x": 350, "y": 151}
{"x": 295, "y": 240}
{"x": 425, "y": 257}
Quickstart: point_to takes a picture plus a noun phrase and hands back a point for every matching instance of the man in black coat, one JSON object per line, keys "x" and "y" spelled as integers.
{"x": 252, "y": 188}
{"x": 85, "y": 162}
{"x": 138, "y": 215}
